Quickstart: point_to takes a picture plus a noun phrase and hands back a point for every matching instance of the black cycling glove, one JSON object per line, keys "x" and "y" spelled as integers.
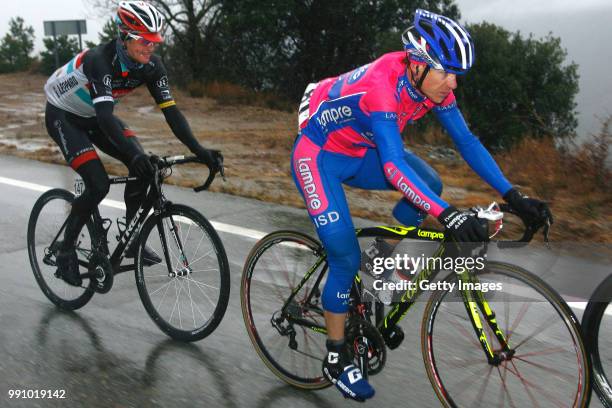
{"x": 212, "y": 158}
{"x": 533, "y": 211}
{"x": 464, "y": 226}
{"x": 141, "y": 166}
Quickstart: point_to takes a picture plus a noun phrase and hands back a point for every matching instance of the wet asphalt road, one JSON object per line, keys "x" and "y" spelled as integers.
{"x": 110, "y": 354}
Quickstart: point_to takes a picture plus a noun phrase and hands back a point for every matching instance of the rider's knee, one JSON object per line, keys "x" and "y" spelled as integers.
{"x": 342, "y": 271}
{"x": 100, "y": 189}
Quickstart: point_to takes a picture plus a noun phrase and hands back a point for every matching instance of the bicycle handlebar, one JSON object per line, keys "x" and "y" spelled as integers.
{"x": 169, "y": 161}
{"x": 528, "y": 234}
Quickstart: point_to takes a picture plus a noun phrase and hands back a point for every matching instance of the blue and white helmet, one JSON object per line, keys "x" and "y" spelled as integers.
{"x": 439, "y": 42}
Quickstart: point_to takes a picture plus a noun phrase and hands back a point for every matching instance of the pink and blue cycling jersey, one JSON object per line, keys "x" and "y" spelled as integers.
{"x": 368, "y": 108}
{"x": 350, "y": 133}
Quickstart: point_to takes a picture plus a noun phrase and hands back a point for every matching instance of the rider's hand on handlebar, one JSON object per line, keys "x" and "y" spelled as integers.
{"x": 464, "y": 226}
{"x": 535, "y": 213}
{"x": 141, "y": 166}
{"x": 212, "y": 158}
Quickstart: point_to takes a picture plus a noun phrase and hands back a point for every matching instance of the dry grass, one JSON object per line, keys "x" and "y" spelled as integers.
{"x": 576, "y": 184}
{"x": 227, "y": 93}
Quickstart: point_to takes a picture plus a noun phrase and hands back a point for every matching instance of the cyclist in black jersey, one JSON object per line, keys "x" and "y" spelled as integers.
{"x": 79, "y": 114}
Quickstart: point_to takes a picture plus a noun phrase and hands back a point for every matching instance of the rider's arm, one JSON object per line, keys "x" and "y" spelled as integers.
{"x": 391, "y": 150}
{"x": 160, "y": 91}
{"x": 180, "y": 128}
{"x": 112, "y": 128}
{"x": 99, "y": 75}
{"x": 472, "y": 151}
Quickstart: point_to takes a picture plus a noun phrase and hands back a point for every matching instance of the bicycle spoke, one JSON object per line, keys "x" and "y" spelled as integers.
{"x": 202, "y": 257}
{"x": 176, "y": 301}
{"x": 466, "y": 334}
{"x": 199, "y": 244}
{"x": 164, "y": 296}
{"x": 504, "y": 384}
{"x": 517, "y": 320}
{"x": 541, "y": 353}
{"x": 534, "y": 402}
{"x": 191, "y": 304}
{"x": 205, "y": 295}
{"x": 483, "y": 387}
{"x": 468, "y": 363}
{"x": 539, "y": 388}
{"x": 196, "y": 305}
{"x": 186, "y": 238}
{"x": 204, "y": 270}
{"x": 198, "y": 283}
{"x": 550, "y": 370}
{"x": 161, "y": 287}
{"x": 539, "y": 330}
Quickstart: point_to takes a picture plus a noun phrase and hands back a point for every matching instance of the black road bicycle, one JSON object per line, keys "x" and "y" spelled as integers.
{"x": 517, "y": 346}
{"x": 186, "y": 294}
{"x": 597, "y": 331}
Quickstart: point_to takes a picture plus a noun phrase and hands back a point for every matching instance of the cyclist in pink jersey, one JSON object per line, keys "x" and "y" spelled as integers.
{"x": 349, "y": 133}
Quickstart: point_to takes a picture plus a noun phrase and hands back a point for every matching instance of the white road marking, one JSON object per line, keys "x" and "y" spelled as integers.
{"x": 219, "y": 226}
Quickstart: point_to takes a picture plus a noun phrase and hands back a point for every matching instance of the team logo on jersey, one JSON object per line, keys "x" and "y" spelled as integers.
{"x": 165, "y": 94}
{"x": 162, "y": 82}
{"x": 107, "y": 81}
{"x": 64, "y": 86}
{"x": 357, "y": 74}
{"x": 335, "y": 115}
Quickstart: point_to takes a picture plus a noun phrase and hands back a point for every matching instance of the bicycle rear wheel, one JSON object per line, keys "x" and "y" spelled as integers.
{"x": 46, "y": 219}
{"x": 597, "y": 330}
{"x": 550, "y": 367}
{"x": 272, "y": 271}
{"x": 186, "y": 294}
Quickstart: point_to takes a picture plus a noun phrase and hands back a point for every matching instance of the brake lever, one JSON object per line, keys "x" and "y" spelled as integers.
{"x": 221, "y": 168}
{"x": 222, "y": 172}
{"x": 545, "y": 231}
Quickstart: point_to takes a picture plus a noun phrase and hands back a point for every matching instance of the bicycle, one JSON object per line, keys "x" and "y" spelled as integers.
{"x": 597, "y": 327}
{"x": 194, "y": 267}
{"x": 281, "y": 306}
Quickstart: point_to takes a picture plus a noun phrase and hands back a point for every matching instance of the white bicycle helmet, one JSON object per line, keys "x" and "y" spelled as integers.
{"x": 139, "y": 19}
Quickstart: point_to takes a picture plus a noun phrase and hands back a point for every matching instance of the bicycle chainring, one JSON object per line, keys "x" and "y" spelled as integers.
{"x": 101, "y": 273}
{"x": 360, "y": 332}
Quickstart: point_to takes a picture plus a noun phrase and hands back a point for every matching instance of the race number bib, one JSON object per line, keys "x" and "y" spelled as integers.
{"x": 79, "y": 187}
{"x": 305, "y": 105}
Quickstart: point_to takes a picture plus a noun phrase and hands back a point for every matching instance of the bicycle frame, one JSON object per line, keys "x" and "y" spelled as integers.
{"x": 473, "y": 300}
{"x": 153, "y": 199}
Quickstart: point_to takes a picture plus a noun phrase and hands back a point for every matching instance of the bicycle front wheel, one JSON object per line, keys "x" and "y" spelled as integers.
{"x": 47, "y": 217}
{"x": 273, "y": 270}
{"x": 186, "y": 294}
{"x": 597, "y": 329}
{"x": 549, "y": 367}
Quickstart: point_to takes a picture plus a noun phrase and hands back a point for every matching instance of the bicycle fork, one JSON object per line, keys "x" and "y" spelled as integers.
{"x": 185, "y": 269}
{"x": 474, "y": 304}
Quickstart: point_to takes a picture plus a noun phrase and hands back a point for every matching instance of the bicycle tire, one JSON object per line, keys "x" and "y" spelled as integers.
{"x": 474, "y": 359}
{"x": 50, "y": 285}
{"x": 144, "y": 281}
{"x": 250, "y": 303}
{"x": 591, "y": 323}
